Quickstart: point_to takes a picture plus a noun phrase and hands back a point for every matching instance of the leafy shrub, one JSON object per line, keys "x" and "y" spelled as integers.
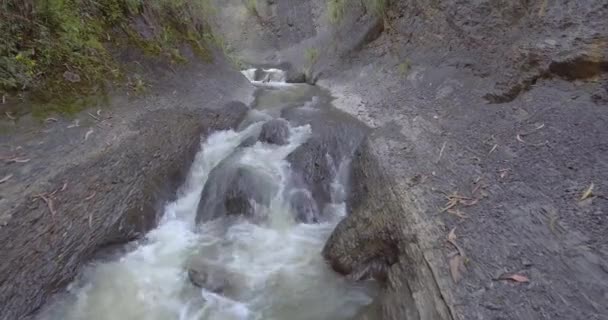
{"x": 58, "y": 48}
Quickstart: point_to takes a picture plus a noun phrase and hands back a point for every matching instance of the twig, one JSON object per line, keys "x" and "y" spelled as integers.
{"x": 94, "y": 117}
{"x": 49, "y": 202}
{"x": 493, "y": 149}
{"x": 86, "y": 136}
{"x": 75, "y": 124}
{"x": 5, "y": 179}
{"x": 441, "y": 151}
{"x": 542, "y": 125}
{"x": 9, "y": 115}
{"x": 91, "y": 196}
{"x": 17, "y": 160}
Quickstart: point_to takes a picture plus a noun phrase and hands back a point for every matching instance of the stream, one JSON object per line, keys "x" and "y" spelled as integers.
{"x": 202, "y": 262}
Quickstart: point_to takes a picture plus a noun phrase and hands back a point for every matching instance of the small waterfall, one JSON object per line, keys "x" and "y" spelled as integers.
{"x": 266, "y": 77}
{"x": 268, "y": 268}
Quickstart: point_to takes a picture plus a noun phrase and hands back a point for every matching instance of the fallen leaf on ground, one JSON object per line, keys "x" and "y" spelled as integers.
{"x": 515, "y": 277}
{"x": 588, "y": 192}
{"x": 493, "y": 149}
{"x": 75, "y": 124}
{"x": 457, "y": 267}
{"x": 457, "y": 213}
{"x": 452, "y": 235}
{"x": 5, "y": 179}
{"x": 18, "y": 160}
{"x": 452, "y": 240}
{"x": 86, "y": 136}
{"x": 503, "y": 173}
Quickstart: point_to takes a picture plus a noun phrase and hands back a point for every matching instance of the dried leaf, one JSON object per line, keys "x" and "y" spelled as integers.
{"x": 5, "y": 179}
{"x": 441, "y": 151}
{"x": 86, "y": 136}
{"x": 457, "y": 213}
{"x": 503, "y": 173}
{"x": 18, "y": 160}
{"x": 515, "y": 277}
{"x": 75, "y": 124}
{"x": 520, "y": 139}
{"x": 493, "y": 149}
{"x": 456, "y": 267}
{"x": 588, "y": 193}
{"x": 452, "y": 235}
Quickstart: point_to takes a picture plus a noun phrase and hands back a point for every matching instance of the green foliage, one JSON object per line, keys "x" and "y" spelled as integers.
{"x": 312, "y": 55}
{"x": 337, "y": 8}
{"x": 404, "y": 67}
{"x": 252, "y": 7}
{"x": 57, "y": 49}
{"x": 377, "y": 7}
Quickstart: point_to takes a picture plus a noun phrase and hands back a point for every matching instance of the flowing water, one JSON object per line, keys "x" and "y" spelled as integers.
{"x": 271, "y": 269}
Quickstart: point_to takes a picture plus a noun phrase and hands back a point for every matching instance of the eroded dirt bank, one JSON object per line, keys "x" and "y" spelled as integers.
{"x": 490, "y": 121}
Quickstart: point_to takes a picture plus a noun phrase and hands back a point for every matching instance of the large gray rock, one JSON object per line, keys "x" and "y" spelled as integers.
{"x": 275, "y": 131}
{"x": 315, "y": 164}
{"x": 232, "y": 189}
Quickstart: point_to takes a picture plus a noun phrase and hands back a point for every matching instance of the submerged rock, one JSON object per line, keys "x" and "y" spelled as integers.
{"x": 210, "y": 276}
{"x": 275, "y": 131}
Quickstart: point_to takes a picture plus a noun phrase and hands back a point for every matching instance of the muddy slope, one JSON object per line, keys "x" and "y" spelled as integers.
{"x": 79, "y": 185}
{"x": 490, "y": 120}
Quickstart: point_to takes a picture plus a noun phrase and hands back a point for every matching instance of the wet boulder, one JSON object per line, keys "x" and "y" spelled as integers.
{"x": 304, "y": 206}
{"x": 275, "y": 131}
{"x": 317, "y": 162}
{"x": 233, "y": 189}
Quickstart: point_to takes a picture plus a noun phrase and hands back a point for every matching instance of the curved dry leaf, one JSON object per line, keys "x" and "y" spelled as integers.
{"x": 588, "y": 192}
{"x": 457, "y": 267}
{"x": 86, "y": 136}
{"x": 5, "y": 179}
{"x": 515, "y": 277}
{"x": 452, "y": 235}
{"x": 75, "y": 124}
{"x": 19, "y": 160}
